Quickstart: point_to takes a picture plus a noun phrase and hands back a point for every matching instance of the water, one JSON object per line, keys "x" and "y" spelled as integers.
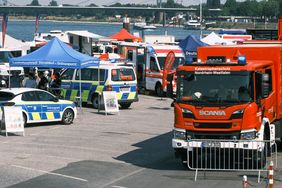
{"x": 24, "y": 30}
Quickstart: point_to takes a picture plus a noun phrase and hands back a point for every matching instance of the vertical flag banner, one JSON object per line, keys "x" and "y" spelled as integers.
{"x": 169, "y": 60}
{"x": 4, "y": 28}
{"x": 36, "y": 23}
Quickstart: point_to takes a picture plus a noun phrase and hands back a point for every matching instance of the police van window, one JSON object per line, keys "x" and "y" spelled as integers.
{"x": 6, "y": 96}
{"x": 91, "y": 74}
{"x": 29, "y": 96}
{"x": 123, "y": 75}
{"x": 68, "y": 74}
{"x": 44, "y": 96}
{"x": 95, "y": 73}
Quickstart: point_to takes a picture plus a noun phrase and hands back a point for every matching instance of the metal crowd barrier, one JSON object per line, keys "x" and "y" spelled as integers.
{"x": 230, "y": 155}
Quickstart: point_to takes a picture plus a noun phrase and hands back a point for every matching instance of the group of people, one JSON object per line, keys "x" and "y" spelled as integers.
{"x": 43, "y": 81}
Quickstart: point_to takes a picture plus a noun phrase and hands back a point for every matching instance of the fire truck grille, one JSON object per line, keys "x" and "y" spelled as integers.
{"x": 213, "y": 125}
{"x": 215, "y": 135}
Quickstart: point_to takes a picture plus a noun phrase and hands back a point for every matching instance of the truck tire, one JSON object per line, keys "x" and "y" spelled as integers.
{"x": 125, "y": 105}
{"x": 159, "y": 90}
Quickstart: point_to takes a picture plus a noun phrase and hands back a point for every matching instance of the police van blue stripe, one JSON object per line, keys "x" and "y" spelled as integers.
{"x": 43, "y": 116}
{"x": 124, "y": 96}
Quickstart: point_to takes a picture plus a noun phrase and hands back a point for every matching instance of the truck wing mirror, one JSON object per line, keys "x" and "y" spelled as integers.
{"x": 262, "y": 85}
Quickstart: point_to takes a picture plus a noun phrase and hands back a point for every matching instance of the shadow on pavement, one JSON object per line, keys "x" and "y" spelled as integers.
{"x": 154, "y": 153}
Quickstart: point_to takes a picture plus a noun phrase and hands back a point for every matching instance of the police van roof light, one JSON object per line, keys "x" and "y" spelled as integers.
{"x": 242, "y": 60}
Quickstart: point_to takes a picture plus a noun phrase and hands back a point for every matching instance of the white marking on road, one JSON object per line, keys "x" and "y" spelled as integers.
{"x": 120, "y": 178}
{"x": 116, "y": 186}
{"x": 51, "y": 173}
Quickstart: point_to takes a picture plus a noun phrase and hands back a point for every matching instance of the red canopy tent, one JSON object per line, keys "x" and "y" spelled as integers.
{"x": 123, "y": 35}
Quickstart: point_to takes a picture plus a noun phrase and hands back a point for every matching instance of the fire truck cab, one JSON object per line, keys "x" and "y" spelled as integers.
{"x": 231, "y": 93}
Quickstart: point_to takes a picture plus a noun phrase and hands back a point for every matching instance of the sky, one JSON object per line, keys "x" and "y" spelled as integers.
{"x": 104, "y": 2}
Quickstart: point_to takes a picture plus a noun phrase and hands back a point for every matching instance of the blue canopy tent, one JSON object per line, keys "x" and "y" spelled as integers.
{"x": 55, "y": 54}
{"x": 189, "y": 45}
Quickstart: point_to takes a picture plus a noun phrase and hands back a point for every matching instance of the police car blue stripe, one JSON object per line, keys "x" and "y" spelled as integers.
{"x": 43, "y": 116}
{"x": 30, "y": 116}
{"x": 57, "y": 115}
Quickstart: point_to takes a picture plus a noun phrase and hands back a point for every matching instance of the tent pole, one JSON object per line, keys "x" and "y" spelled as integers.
{"x": 80, "y": 99}
{"x": 98, "y": 88}
{"x": 9, "y": 77}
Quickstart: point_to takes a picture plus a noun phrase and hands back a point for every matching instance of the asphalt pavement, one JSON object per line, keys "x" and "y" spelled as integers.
{"x": 131, "y": 149}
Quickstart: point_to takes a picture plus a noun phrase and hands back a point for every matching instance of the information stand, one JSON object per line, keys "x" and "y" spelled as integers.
{"x": 110, "y": 102}
{"x": 12, "y": 119}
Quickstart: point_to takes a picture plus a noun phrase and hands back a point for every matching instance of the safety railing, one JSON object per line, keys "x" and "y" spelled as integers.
{"x": 230, "y": 155}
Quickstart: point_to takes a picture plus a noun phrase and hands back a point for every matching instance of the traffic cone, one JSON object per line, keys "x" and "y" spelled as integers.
{"x": 244, "y": 181}
{"x": 270, "y": 175}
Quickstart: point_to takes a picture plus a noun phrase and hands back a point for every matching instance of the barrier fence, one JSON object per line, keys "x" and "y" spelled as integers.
{"x": 230, "y": 155}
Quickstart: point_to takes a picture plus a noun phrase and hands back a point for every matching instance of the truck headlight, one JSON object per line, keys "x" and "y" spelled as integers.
{"x": 187, "y": 113}
{"x": 237, "y": 114}
{"x": 179, "y": 134}
{"x": 248, "y": 134}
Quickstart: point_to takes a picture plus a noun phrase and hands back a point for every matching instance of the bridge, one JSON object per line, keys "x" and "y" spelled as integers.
{"x": 85, "y": 11}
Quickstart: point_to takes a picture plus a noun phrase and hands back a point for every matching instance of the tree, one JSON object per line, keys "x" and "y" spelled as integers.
{"x": 230, "y": 7}
{"x": 213, "y": 3}
{"x": 92, "y": 5}
{"x": 34, "y": 3}
{"x": 53, "y": 3}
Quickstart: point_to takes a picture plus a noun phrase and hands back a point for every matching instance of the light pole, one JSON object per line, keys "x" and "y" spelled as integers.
{"x": 201, "y": 18}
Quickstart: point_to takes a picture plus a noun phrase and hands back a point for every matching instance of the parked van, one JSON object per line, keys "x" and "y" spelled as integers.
{"x": 94, "y": 80}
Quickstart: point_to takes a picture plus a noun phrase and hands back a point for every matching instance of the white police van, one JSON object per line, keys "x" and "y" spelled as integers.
{"x": 95, "y": 80}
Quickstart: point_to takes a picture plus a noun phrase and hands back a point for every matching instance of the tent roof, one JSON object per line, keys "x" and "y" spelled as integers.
{"x": 12, "y": 44}
{"x": 123, "y": 34}
{"x": 191, "y": 43}
{"x": 214, "y": 39}
{"x": 55, "y": 54}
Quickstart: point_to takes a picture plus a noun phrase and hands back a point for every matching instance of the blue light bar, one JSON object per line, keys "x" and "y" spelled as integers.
{"x": 242, "y": 60}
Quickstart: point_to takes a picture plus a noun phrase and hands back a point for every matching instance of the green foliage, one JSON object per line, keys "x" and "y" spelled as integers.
{"x": 34, "y": 3}
{"x": 53, "y": 3}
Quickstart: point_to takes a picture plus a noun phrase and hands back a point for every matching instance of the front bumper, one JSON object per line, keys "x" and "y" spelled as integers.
{"x": 222, "y": 144}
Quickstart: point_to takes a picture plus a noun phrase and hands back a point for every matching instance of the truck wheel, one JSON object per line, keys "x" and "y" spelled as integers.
{"x": 68, "y": 117}
{"x": 125, "y": 105}
{"x": 159, "y": 90}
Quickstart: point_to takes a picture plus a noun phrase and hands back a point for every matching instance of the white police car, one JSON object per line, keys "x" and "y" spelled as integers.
{"x": 39, "y": 105}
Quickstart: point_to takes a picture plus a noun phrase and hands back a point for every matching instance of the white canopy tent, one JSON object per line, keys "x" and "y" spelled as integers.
{"x": 12, "y": 44}
{"x": 214, "y": 39}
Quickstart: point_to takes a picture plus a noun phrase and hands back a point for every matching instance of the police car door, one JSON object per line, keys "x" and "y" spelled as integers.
{"x": 31, "y": 105}
{"x": 50, "y": 107}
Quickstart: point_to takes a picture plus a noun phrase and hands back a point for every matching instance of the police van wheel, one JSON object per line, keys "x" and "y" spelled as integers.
{"x": 95, "y": 101}
{"x": 68, "y": 117}
{"x": 159, "y": 90}
{"x": 125, "y": 105}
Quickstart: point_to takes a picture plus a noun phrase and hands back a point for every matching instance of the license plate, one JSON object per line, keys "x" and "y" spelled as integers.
{"x": 124, "y": 89}
{"x": 210, "y": 144}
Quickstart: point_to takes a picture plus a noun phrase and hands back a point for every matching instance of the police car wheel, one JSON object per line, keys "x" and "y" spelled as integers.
{"x": 24, "y": 119}
{"x": 68, "y": 117}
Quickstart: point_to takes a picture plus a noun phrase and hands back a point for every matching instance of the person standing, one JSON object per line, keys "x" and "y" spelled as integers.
{"x": 55, "y": 85}
{"x": 43, "y": 83}
{"x": 30, "y": 82}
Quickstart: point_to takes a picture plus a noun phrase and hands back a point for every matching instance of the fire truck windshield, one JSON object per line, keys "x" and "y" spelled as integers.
{"x": 213, "y": 89}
